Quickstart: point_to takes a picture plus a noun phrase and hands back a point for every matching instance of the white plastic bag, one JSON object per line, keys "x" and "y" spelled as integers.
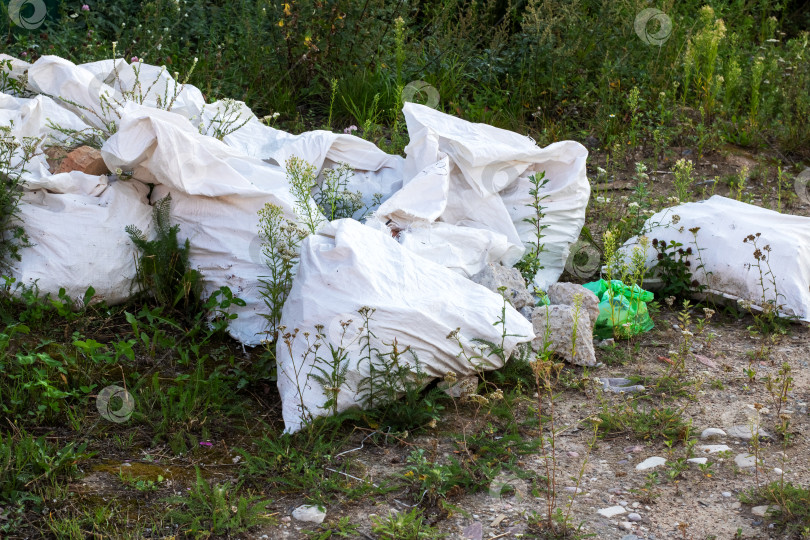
{"x": 79, "y": 239}
{"x": 476, "y": 176}
{"x": 729, "y": 267}
{"x": 348, "y": 266}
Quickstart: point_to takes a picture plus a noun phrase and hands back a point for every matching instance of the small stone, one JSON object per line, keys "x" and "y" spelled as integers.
{"x": 650, "y": 463}
{"x": 497, "y": 521}
{"x": 630, "y": 537}
{"x": 745, "y": 460}
{"x": 619, "y": 385}
{"x": 611, "y": 511}
{"x": 712, "y": 433}
{"x": 633, "y": 449}
{"x": 747, "y": 432}
{"x": 726, "y": 494}
{"x": 735, "y": 505}
{"x": 626, "y": 526}
{"x": 777, "y": 470}
{"x": 634, "y": 516}
{"x": 572, "y": 489}
{"x": 713, "y": 448}
{"x": 698, "y": 460}
{"x": 762, "y": 511}
{"x": 572, "y": 454}
{"x": 309, "y": 513}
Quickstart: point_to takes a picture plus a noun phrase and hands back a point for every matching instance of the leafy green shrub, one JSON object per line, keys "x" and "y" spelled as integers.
{"x": 163, "y": 269}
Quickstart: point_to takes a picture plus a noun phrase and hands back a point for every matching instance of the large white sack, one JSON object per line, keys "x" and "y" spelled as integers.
{"x": 95, "y": 91}
{"x": 216, "y": 195}
{"x": 486, "y": 173}
{"x": 730, "y": 269}
{"x": 349, "y": 265}
{"x": 79, "y": 239}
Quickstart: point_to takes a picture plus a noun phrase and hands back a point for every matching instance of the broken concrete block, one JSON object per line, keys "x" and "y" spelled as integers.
{"x": 565, "y": 294}
{"x": 85, "y": 159}
{"x": 569, "y": 337}
{"x": 496, "y": 275}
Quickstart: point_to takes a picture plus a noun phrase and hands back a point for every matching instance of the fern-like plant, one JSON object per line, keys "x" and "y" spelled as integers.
{"x": 163, "y": 269}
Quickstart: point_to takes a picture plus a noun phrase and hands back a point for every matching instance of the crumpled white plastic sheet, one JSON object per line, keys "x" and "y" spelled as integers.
{"x": 347, "y": 266}
{"x": 729, "y": 268}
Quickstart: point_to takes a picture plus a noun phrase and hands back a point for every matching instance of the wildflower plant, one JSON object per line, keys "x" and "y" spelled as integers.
{"x": 530, "y": 264}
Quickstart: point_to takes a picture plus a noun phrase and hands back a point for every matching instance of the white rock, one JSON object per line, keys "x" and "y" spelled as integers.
{"x": 777, "y": 470}
{"x": 650, "y": 463}
{"x": 726, "y": 494}
{"x": 712, "y": 433}
{"x": 713, "y": 448}
{"x": 309, "y": 513}
{"x": 611, "y": 511}
{"x": 745, "y": 460}
{"x": 698, "y": 460}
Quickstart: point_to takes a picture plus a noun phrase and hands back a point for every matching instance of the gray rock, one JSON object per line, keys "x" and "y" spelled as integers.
{"x": 698, "y": 460}
{"x": 556, "y": 323}
{"x": 712, "y": 433}
{"x": 634, "y": 516}
{"x": 495, "y": 276}
{"x": 651, "y": 463}
{"x": 309, "y": 513}
{"x": 565, "y": 293}
{"x": 726, "y": 494}
{"x": 745, "y": 460}
{"x": 746, "y": 432}
{"x": 630, "y": 537}
{"x": 463, "y": 387}
{"x": 473, "y": 531}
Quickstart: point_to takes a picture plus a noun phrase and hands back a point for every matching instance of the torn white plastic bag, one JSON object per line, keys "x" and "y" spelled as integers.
{"x": 730, "y": 269}
{"x": 348, "y": 266}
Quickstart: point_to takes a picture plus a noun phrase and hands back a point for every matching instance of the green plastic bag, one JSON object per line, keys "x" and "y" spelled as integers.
{"x": 622, "y": 309}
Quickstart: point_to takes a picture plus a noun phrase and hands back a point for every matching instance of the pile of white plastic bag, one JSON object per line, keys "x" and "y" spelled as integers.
{"x": 455, "y": 203}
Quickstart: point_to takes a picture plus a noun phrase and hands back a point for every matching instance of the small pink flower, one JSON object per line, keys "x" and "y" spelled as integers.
{"x": 134, "y": 59}
{"x": 206, "y": 443}
{"x": 24, "y": 53}
{"x": 349, "y": 130}
{"x": 85, "y": 7}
